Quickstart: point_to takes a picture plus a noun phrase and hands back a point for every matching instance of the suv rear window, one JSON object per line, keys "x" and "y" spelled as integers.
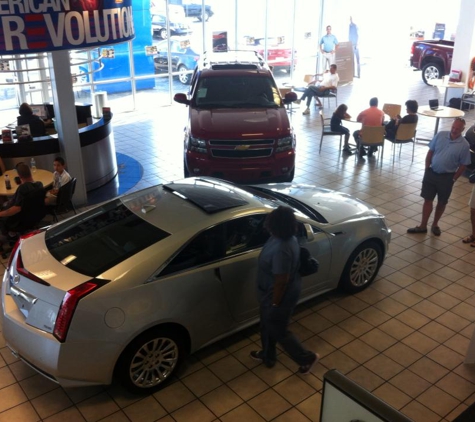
{"x": 93, "y": 242}
{"x": 244, "y": 91}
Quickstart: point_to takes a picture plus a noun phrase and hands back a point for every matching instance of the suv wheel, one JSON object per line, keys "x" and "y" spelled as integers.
{"x": 163, "y": 33}
{"x": 183, "y": 76}
{"x": 431, "y": 71}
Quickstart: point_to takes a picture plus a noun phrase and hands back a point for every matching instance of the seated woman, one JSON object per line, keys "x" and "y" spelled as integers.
{"x": 410, "y": 117}
{"x": 26, "y": 117}
{"x": 336, "y": 126}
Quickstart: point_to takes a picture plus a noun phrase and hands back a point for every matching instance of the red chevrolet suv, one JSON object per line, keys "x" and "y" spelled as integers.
{"x": 238, "y": 127}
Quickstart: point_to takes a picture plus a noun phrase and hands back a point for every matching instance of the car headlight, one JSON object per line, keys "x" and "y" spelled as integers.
{"x": 197, "y": 145}
{"x": 285, "y": 144}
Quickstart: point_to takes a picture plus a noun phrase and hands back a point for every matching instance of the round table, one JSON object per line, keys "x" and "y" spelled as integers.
{"x": 43, "y": 176}
{"x": 441, "y": 113}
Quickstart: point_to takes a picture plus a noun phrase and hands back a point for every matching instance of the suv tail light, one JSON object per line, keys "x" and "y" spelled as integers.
{"x": 69, "y": 304}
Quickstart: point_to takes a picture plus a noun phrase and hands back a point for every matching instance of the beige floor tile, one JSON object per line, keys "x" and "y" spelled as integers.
{"x": 300, "y": 331}
{"x": 315, "y": 323}
{"x": 391, "y": 395}
{"x": 6, "y": 377}
{"x": 243, "y": 355}
{"x": 406, "y": 297}
{"x": 371, "y": 296}
{"x": 458, "y": 343}
{"x": 22, "y": 413}
{"x": 419, "y": 413}
{"x": 429, "y": 309}
{"x": 37, "y": 385}
{"x": 317, "y": 344}
{"x": 396, "y": 329}
{"x": 450, "y": 274}
{"x": 222, "y": 400}
{"x": 365, "y": 378}
{"x": 420, "y": 342}
{"x": 340, "y": 361}
{"x": 399, "y": 279}
{"x": 193, "y": 412}
{"x": 383, "y": 366}
{"x": 437, "y": 332}
{"x": 94, "y": 408}
{"x": 390, "y": 306}
{"x": 71, "y": 414}
{"x": 292, "y": 415}
{"x": 422, "y": 289}
{"x": 272, "y": 376}
{"x": 468, "y": 331}
{"x": 227, "y": 368}
{"x": 446, "y": 357}
{"x": 412, "y": 318}
{"x": 355, "y": 326}
{"x": 336, "y": 336}
{"x": 438, "y": 401}
{"x": 21, "y": 370}
{"x": 334, "y": 313}
{"x": 456, "y": 386}
{"x": 352, "y": 304}
{"x": 202, "y": 382}
{"x": 378, "y": 339}
{"x": 80, "y": 394}
{"x": 174, "y": 396}
{"x": 373, "y": 316}
{"x": 119, "y": 416}
{"x": 294, "y": 389}
{"x": 359, "y": 351}
{"x": 464, "y": 310}
{"x": 463, "y": 266}
{"x": 402, "y": 354}
{"x": 453, "y": 321}
{"x": 467, "y": 372}
{"x": 415, "y": 271}
{"x": 145, "y": 410}
{"x": 411, "y": 383}
{"x": 311, "y": 407}
{"x": 444, "y": 300}
{"x": 467, "y": 281}
{"x": 211, "y": 354}
{"x": 456, "y": 412}
{"x": 269, "y": 404}
{"x": 242, "y": 413}
{"x": 429, "y": 370}
{"x": 385, "y": 287}
{"x": 11, "y": 396}
{"x": 247, "y": 385}
{"x": 436, "y": 281}
{"x": 57, "y": 400}
{"x": 458, "y": 291}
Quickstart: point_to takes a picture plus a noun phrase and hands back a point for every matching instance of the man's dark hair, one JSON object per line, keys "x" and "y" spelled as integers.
{"x": 412, "y": 106}
{"x": 25, "y": 110}
{"x": 334, "y": 66}
{"x": 281, "y": 223}
{"x": 60, "y": 160}
{"x": 373, "y": 102}
{"x": 23, "y": 170}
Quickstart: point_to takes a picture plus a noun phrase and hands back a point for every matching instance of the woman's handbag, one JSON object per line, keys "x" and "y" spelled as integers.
{"x": 308, "y": 264}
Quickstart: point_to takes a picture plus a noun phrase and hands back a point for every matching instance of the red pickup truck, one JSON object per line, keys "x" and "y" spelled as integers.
{"x": 433, "y": 57}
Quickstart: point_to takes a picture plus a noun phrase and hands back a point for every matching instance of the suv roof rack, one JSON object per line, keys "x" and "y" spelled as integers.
{"x": 234, "y": 59}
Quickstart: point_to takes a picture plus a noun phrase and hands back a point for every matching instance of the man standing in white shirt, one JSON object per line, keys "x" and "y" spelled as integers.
{"x": 320, "y": 89}
{"x": 60, "y": 178}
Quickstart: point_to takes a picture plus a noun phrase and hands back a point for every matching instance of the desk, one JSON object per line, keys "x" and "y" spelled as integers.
{"x": 444, "y": 83}
{"x": 43, "y": 176}
{"x": 442, "y": 113}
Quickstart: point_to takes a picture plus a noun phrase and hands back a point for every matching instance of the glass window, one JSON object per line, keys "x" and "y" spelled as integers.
{"x": 103, "y": 237}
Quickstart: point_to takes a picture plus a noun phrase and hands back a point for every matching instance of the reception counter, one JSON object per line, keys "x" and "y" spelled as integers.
{"x": 98, "y": 153}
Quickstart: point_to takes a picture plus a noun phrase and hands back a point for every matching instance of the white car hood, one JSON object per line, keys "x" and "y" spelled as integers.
{"x": 334, "y": 206}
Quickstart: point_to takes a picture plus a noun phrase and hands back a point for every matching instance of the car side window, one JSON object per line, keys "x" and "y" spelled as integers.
{"x": 245, "y": 233}
{"x": 206, "y": 247}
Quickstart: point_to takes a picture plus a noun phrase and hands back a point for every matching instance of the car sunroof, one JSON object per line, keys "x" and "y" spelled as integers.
{"x": 206, "y": 195}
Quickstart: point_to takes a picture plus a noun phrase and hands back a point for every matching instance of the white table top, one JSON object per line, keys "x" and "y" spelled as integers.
{"x": 43, "y": 176}
{"x": 443, "y": 112}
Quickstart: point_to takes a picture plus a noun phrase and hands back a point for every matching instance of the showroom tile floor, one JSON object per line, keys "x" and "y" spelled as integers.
{"x": 404, "y": 338}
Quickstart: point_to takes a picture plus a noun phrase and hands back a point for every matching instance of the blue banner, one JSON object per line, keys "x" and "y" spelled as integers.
{"x": 28, "y": 26}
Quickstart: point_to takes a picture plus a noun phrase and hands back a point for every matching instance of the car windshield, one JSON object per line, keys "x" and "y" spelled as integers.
{"x": 95, "y": 241}
{"x": 245, "y": 91}
{"x": 272, "y": 195}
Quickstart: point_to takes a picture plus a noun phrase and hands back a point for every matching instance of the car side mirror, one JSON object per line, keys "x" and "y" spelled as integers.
{"x": 181, "y": 98}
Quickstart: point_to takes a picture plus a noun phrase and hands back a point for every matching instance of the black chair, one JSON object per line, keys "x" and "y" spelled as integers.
{"x": 64, "y": 200}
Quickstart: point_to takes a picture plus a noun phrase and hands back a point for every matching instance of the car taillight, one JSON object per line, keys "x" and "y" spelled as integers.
{"x": 69, "y": 304}
{"x": 17, "y": 244}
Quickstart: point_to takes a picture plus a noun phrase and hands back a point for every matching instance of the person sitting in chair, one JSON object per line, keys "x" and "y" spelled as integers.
{"x": 321, "y": 89}
{"x": 26, "y": 117}
{"x": 410, "y": 117}
{"x": 13, "y": 217}
{"x": 60, "y": 178}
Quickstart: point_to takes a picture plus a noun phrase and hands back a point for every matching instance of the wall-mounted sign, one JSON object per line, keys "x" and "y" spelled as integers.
{"x": 107, "y": 53}
{"x": 45, "y": 25}
{"x": 151, "y": 50}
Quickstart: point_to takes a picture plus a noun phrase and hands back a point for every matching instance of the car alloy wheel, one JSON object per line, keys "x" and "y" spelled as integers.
{"x": 149, "y": 361}
{"x": 183, "y": 76}
{"x": 362, "y": 267}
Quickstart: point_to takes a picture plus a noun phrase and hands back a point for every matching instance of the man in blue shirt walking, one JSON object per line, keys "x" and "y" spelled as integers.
{"x": 328, "y": 46}
{"x": 448, "y": 155}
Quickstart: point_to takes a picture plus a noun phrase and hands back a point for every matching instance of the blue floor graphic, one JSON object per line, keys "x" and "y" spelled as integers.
{"x": 129, "y": 174}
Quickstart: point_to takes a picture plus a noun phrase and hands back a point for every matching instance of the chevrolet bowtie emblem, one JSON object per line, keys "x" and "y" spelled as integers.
{"x": 242, "y": 147}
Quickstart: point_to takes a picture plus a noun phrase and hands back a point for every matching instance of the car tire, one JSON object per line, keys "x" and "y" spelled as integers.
{"x": 186, "y": 172}
{"x": 163, "y": 34}
{"x": 362, "y": 267}
{"x": 289, "y": 177}
{"x": 183, "y": 76}
{"x": 431, "y": 71}
{"x": 150, "y": 361}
